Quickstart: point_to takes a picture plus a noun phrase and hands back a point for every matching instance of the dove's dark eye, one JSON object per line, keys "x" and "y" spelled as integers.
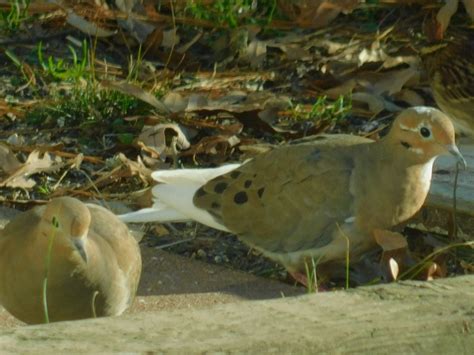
{"x": 425, "y": 132}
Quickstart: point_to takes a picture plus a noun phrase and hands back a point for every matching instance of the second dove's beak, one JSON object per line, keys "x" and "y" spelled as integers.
{"x": 454, "y": 150}
{"x": 80, "y": 247}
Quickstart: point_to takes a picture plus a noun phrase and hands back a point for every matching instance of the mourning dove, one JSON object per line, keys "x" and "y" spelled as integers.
{"x": 450, "y": 68}
{"x": 312, "y": 200}
{"x": 95, "y": 263}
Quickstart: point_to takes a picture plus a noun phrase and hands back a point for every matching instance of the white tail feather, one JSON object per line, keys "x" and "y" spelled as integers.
{"x": 186, "y": 176}
{"x": 153, "y": 214}
{"x": 173, "y": 198}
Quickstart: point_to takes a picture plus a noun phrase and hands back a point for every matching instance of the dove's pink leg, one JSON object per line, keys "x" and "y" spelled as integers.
{"x": 299, "y": 277}
{"x": 303, "y": 280}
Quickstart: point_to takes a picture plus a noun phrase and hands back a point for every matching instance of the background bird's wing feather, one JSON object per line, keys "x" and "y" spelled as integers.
{"x": 452, "y": 71}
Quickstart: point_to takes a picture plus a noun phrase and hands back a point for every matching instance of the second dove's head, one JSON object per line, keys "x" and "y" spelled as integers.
{"x": 425, "y": 132}
{"x": 69, "y": 219}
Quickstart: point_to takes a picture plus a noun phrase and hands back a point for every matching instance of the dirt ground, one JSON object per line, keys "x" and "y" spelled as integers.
{"x": 171, "y": 282}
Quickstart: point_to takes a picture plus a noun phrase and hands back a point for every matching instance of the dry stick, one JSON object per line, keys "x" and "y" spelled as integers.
{"x": 455, "y": 225}
{"x": 174, "y": 27}
{"x": 164, "y": 246}
{"x": 44, "y": 149}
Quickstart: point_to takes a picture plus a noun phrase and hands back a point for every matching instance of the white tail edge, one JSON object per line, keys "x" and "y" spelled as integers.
{"x": 173, "y": 198}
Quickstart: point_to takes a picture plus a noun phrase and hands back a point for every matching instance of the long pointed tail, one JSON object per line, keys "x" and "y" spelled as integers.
{"x": 173, "y": 198}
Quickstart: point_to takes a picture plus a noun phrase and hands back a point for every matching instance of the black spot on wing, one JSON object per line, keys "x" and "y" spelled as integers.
{"x": 260, "y": 192}
{"x": 200, "y": 193}
{"x": 220, "y": 187}
{"x": 215, "y": 205}
{"x": 247, "y": 183}
{"x": 240, "y": 197}
{"x": 235, "y": 174}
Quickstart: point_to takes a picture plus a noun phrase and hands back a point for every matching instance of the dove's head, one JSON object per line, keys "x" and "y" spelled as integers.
{"x": 68, "y": 219}
{"x": 424, "y": 133}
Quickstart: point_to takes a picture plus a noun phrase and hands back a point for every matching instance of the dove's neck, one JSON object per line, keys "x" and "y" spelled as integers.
{"x": 405, "y": 168}
{"x": 392, "y": 186}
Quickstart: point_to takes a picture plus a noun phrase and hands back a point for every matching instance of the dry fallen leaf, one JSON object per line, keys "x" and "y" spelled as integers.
{"x": 170, "y": 38}
{"x": 375, "y": 103}
{"x": 135, "y": 168}
{"x": 8, "y": 160}
{"x": 394, "y": 80}
{"x": 410, "y": 96}
{"x": 435, "y": 271}
{"x": 217, "y": 146}
{"x": 164, "y": 139}
{"x": 136, "y": 91}
{"x": 315, "y": 13}
{"x": 175, "y": 102}
{"x": 33, "y": 165}
{"x": 85, "y": 26}
{"x": 256, "y": 53}
{"x": 444, "y": 16}
{"x": 389, "y": 240}
{"x": 394, "y": 268}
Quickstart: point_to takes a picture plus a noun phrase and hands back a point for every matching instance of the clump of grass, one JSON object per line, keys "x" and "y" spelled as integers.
{"x": 233, "y": 12}
{"x": 324, "y": 110}
{"x": 77, "y": 100}
{"x": 63, "y": 70}
{"x": 10, "y": 21}
{"x": 311, "y": 276}
{"x": 85, "y": 106}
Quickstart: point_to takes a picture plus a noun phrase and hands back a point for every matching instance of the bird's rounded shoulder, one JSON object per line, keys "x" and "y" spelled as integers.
{"x": 106, "y": 224}
{"x": 23, "y": 221}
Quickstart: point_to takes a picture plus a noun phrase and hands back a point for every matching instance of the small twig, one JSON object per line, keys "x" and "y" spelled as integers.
{"x": 164, "y": 246}
{"x": 173, "y": 18}
{"x": 455, "y": 187}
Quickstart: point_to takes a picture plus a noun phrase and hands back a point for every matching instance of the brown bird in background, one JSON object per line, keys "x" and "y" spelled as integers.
{"x": 317, "y": 200}
{"x": 94, "y": 263}
{"x": 450, "y": 68}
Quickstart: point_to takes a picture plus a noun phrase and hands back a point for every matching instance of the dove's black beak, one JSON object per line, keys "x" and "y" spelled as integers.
{"x": 454, "y": 151}
{"x": 80, "y": 247}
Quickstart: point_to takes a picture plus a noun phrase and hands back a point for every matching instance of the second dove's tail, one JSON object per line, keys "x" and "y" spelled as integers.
{"x": 173, "y": 197}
